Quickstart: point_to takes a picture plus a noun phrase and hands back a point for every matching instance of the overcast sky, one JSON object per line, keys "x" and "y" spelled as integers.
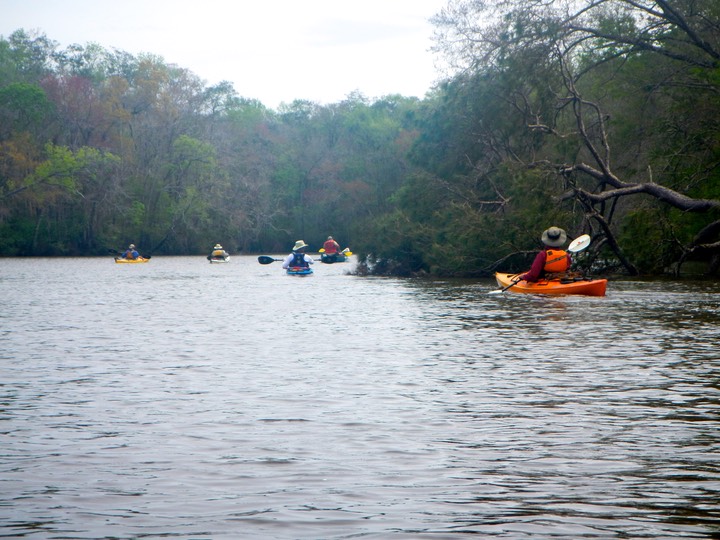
{"x": 271, "y": 50}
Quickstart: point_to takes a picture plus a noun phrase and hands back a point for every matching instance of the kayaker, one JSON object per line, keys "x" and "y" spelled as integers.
{"x": 218, "y": 252}
{"x": 298, "y": 257}
{"x": 330, "y": 246}
{"x": 130, "y": 252}
{"x": 552, "y": 259}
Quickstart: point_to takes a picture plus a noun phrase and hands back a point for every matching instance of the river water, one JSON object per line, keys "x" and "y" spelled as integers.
{"x": 179, "y": 399}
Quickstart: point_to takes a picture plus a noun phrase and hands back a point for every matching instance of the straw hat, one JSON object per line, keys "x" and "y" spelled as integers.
{"x": 554, "y": 237}
{"x": 299, "y": 245}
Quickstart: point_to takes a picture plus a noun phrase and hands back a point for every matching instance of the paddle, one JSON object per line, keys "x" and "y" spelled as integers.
{"x": 264, "y": 259}
{"x": 498, "y": 291}
{"x": 345, "y": 251}
{"x": 121, "y": 253}
{"x": 580, "y": 243}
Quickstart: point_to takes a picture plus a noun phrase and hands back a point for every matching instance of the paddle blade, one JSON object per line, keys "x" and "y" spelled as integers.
{"x": 346, "y": 252}
{"x": 321, "y": 250}
{"x": 515, "y": 280}
{"x": 580, "y": 243}
{"x": 264, "y": 259}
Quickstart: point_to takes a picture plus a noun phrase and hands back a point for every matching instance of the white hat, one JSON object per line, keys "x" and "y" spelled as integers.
{"x": 553, "y": 237}
{"x": 217, "y": 246}
{"x": 299, "y": 245}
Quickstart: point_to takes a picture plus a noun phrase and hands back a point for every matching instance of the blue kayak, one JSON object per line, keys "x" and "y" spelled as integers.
{"x": 330, "y": 258}
{"x": 299, "y": 271}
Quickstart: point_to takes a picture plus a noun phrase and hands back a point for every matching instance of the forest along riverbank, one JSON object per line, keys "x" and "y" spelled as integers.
{"x": 196, "y": 400}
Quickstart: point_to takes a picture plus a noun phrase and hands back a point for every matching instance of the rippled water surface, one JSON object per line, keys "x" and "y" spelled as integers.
{"x": 179, "y": 399}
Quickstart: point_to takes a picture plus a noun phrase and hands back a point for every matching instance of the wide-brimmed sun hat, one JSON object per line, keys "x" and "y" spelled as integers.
{"x": 131, "y": 246}
{"x": 217, "y": 246}
{"x": 554, "y": 237}
{"x": 299, "y": 245}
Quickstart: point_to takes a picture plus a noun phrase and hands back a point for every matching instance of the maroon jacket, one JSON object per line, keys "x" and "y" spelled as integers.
{"x": 537, "y": 270}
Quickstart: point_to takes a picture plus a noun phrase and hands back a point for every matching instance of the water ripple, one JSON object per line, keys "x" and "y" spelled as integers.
{"x": 232, "y": 401}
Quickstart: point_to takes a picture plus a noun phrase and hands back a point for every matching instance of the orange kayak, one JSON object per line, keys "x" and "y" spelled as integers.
{"x": 576, "y": 285}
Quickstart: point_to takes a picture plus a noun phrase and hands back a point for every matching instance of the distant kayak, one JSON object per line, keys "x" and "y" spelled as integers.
{"x": 330, "y": 258}
{"x": 337, "y": 257}
{"x": 122, "y": 260}
{"x": 299, "y": 271}
{"x": 219, "y": 259}
{"x": 570, "y": 285}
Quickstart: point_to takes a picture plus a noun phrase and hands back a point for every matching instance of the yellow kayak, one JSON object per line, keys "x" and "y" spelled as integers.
{"x": 122, "y": 260}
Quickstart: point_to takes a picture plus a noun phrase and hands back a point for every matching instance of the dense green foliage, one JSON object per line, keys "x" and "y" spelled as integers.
{"x": 589, "y": 121}
{"x": 99, "y": 149}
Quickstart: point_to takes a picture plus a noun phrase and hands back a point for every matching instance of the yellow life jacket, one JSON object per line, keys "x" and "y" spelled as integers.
{"x": 218, "y": 253}
{"x": 556, "y": 261}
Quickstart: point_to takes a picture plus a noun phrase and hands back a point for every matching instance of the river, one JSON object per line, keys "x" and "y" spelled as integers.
{"x": 180, "y": 399}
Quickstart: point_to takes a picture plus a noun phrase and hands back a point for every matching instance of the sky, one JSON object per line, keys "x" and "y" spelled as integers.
{"x": 274, "y": 51}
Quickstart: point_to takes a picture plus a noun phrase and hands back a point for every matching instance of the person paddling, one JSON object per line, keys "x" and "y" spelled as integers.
{"x": 552, "y": 259}
{"x": 298, "y": 258}
{"x": 131, "y": 252}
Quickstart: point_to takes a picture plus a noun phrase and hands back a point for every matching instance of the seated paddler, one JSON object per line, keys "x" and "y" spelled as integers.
{"x": 298, "y": 258}
{"x": 552, "y": 259}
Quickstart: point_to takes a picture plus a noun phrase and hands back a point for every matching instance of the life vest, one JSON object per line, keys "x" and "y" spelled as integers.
{"x": 556, "y": 261}
{"x": 299, "y": 260}
{"x": 330, "y": 247}
{"x": 218, "y": 253}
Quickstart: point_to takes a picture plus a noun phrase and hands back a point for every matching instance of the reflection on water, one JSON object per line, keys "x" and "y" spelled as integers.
{"x": 188, "y": 400}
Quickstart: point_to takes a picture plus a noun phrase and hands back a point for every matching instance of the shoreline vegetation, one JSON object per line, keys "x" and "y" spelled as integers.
{"x": 614, "y": 136}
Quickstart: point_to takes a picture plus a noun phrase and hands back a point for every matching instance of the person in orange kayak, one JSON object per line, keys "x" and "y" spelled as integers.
{"x": 330, "y": 246}
{"x": 552, "y": 259}
{"x": 298, "y": 257}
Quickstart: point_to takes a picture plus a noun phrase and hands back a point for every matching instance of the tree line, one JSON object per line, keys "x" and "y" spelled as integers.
{"x": 99, "y": 148}
{"x": 601, "y": 118}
